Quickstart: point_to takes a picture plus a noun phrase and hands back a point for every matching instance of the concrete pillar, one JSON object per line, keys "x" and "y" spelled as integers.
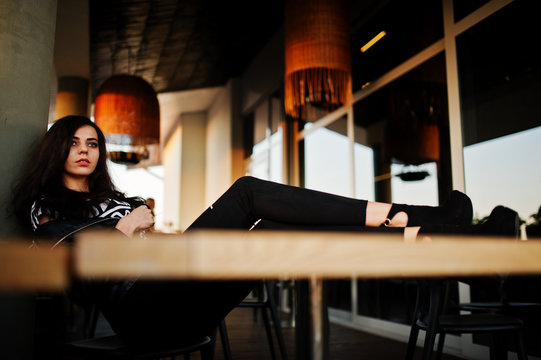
{"x": 27, "y": 29}
{"x": 192, "y": 189}
{"x": 219, "y": 148}
{"x": 171, "y": 159}
{"x": 184, "y": 171}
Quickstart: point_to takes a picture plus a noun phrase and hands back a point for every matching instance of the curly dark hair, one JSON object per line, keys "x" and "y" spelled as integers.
{"x": 42, "y": 179}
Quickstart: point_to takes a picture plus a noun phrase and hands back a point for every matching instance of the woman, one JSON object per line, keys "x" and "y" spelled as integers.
{"x": 67, "y": 187}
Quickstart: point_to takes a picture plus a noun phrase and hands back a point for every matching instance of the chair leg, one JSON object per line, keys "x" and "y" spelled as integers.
{"x": 276, "y": 320}
{"x": 499, "y": 346}
{"x": 435, "y": 291}
{"x": 430, "y": 339}
{"x": 441, "y": 342}
{"x": 521, "y": 349}
{"x": 260, "y": 294}
{"x": 412, "y": 342}
{"x": 207, "y": 353}
{"x": 268, "y": 330}
{"x": 225, "y": 340}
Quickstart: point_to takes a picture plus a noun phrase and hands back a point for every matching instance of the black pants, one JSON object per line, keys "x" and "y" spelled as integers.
{"x": 176, "y": 311}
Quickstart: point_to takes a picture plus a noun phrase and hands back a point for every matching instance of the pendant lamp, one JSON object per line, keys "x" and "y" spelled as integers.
{"x": 412, "y": 133}
{"x": 127, "y": 110}
{"x": 317, "y": 55}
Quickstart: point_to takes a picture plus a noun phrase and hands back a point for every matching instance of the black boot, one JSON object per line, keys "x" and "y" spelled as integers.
{"x": 501, "y": 221}
{"x": 457, "y": 210}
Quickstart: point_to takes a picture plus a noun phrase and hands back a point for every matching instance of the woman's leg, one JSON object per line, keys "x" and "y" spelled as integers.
{"x": 377, "y": 213}
{"x": 156, "y": 313}
{"x": 250, "y": 199}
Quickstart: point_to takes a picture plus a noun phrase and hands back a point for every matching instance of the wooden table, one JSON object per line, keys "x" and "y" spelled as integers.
{"x": 264, "y": 254}
{"x": 32, "y": 269}
{"x": 302, "y": 255}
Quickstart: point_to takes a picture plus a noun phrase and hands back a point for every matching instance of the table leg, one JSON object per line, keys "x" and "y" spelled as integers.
{"x": 316, "y": 309}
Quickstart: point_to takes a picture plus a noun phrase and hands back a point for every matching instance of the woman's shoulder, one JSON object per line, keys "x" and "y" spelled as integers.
{"x": 38, "y": 212}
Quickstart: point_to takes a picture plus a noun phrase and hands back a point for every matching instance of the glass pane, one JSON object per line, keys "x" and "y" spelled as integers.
{"x": 339, "y": 294}
{"x": 261, "y": 121}
{"x": 506, "y": 171}
{"x": 408, "y": 191}
{"x": 500, "y": 88}
{"x": 143, "y": 182}
{"x": 364, "y": 172}
{"x": 326, "y": 169}
{"x": 409, "y": 26}
{"x": 326, "y": 159}
{"x": 500, "y": 74}
{"x": 266, "y": 159}
{"x": 500, "y": 78}
{"x": 406, "y": 126}
{"x": 259, "y": 161}
{"x": 392, "y": 300}
{"x": 275, "y": 154}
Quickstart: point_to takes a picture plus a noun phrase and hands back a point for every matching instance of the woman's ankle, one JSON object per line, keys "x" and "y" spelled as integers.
{"x": 400, "y": 219}
{"x": 380, "y": 214}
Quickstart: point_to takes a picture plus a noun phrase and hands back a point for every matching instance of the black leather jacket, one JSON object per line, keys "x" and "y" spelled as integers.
{"x": 65, "y": 231}
{"x": 85, "y": 291}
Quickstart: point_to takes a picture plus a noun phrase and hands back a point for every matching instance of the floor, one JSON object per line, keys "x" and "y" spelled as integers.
{"x": 248, "y": 342}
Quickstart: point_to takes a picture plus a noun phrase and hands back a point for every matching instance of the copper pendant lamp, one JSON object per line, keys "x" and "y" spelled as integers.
{"x": 415, "y": 144}
{"x": 317, "y": 55}
{"x": 412, "y": 133}
{"x": 127, "y": 110}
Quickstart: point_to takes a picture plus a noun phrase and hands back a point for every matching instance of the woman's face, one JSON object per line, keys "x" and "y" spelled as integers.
{"x": 83, "y": 156}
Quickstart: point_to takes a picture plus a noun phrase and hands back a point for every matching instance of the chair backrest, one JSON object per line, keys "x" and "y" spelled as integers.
{"x": 432, "y": 297}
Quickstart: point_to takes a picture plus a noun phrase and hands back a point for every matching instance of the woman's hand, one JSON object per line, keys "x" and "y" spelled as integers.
{"x": 138, "y": 220}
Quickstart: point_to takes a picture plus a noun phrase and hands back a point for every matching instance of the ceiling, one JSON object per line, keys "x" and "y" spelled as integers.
{"x": 179, "y": 44}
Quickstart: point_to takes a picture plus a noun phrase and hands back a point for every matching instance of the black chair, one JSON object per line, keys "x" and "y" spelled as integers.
{"x": 500, "y": 305}
{"x": 265, "y": 302}
{"x": 111, "y": 347}
{"x": 430, "y": 315}
{"x": 499, "y": 301}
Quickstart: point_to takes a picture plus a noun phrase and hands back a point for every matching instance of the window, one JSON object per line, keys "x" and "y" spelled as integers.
{"x": 266, "y": 159}
{"x": 500, "y": 83}
{"x": 410, "y": 26}
{"x": 326, "y": 154}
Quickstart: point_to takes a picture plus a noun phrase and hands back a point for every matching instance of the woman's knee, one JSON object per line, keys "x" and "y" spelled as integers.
{"x": 245, "y": 182}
